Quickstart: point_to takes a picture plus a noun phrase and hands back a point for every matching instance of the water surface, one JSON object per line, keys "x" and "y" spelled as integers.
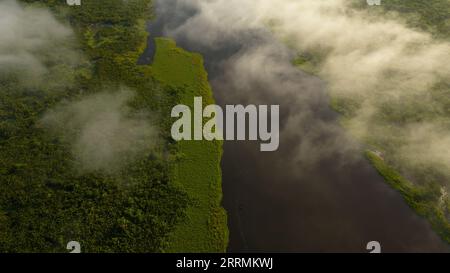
{"x": 279, "y": 201}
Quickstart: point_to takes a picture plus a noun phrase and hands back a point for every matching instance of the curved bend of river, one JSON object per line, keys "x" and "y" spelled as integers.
{"x": 282, "y": 201}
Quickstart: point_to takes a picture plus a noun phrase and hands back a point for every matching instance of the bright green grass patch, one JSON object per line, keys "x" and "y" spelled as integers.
{"x": 198, "y": 171}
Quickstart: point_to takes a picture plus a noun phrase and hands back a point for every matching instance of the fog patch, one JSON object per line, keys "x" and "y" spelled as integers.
{"x": 105, "y": 133}
{"x": 34, "y": 47}
{"x": 376, "y": 62}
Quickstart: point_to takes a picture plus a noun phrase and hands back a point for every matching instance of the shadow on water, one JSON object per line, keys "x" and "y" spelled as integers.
{"x": 274, "y": 205}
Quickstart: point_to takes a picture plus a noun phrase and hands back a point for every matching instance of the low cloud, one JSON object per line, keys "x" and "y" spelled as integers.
{"x": 33, "y": 45}
{"x": 376, "y": 61}
{"x": 103, "y": 130}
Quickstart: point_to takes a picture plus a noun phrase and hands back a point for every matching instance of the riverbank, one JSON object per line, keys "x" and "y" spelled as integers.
{"x": 421, "y": 183}
{"x": 292, "y": 200}
{"x": 197, "y": 171}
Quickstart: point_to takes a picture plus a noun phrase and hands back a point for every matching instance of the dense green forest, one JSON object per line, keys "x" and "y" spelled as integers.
{"x": 131, "y": 199}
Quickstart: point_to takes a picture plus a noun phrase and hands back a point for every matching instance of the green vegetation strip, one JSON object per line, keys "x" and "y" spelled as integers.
{"x": 198, "y": 170}
{"x": 424, "y": 200}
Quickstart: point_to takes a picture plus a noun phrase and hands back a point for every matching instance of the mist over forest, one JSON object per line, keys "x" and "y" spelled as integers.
{"x": 85, "y": 146}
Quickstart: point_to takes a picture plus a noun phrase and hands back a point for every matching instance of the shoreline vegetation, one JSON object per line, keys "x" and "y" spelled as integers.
{"x": 421, "y": 199}
{"x": 420, "y": 189}
{"x": 166, "y": 200}
{"x": 198, "y": 171}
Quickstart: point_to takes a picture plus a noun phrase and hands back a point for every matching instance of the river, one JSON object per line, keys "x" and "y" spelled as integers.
{"x": 312, "y": 195}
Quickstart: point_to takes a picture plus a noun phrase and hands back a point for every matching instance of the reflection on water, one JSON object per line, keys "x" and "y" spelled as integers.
{"x": 308, "y": 196}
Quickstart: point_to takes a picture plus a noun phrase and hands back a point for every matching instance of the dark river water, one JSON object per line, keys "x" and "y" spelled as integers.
{"x": 282, "y": 201}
